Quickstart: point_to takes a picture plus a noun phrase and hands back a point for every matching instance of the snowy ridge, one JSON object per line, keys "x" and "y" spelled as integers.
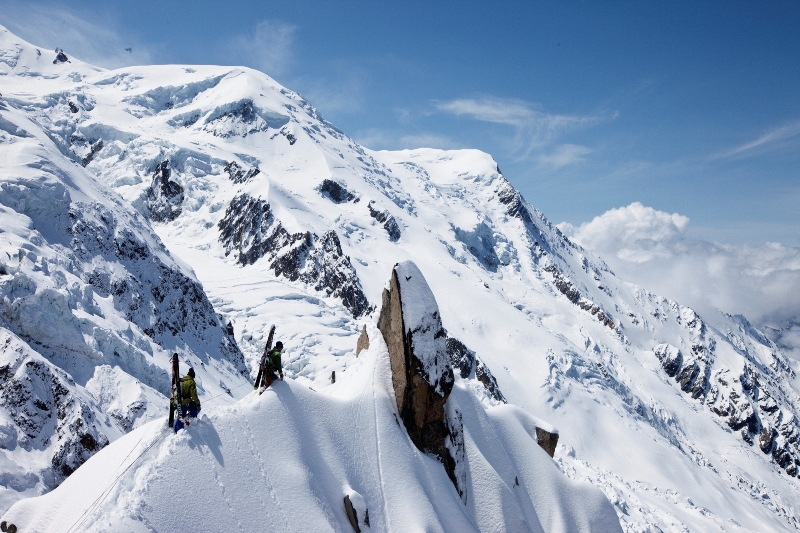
{"x": 337, "y": 442}
{"x": 685, "y": 422}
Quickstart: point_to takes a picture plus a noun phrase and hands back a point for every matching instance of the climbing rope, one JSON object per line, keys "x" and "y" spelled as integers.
{"x": 224, "y": 393}
{"x": 99, "y": 500}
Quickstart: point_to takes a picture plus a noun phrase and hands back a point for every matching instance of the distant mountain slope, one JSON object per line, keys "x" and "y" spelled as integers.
{"x": 685, "y": 422}
{"x": 91, "y": 307}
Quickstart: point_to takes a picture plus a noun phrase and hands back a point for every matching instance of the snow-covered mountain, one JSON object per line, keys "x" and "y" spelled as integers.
{"x": 684, "y": 422}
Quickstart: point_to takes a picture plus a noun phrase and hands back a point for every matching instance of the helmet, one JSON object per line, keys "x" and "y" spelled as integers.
{"x": 191, "y": 372}
{"x": 279, "y": 345}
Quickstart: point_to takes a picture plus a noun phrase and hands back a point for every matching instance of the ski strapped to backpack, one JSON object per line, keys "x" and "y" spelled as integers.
{"x": 262, "y": 367}
{"x": 175, "y": 400}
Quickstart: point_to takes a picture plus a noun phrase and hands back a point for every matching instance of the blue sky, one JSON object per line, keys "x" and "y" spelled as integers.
{"x": 687, "y": 107}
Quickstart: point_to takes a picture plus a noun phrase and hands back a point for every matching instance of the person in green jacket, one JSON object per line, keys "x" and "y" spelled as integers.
{"x": 191, "y": 403}
{"x": 274, "y": 364}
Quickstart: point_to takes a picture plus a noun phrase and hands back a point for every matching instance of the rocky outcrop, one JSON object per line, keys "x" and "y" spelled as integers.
{"x": 164, "y": 196}
{"x": 568, "y": 289}
{"x": 363, "y": 341}
{"x": 335, "y": 192}
{"x": 547, "y": 440}
{"x": 250, "y": 231}
{"x": 470, "y": 366}
{"x": 746, "y": 400}
{"x": 61, "y": 57}
{"x": 239, "y": 175}
{"x": 422, "y": 377}
{"x": 356, "y": 510}
{"x": 237, "y": 119}
{"x": 388, "y": 221}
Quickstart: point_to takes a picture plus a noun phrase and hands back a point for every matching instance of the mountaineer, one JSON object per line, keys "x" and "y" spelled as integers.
{"x": 191, "y": 403}
{"x": 273, "y": 365}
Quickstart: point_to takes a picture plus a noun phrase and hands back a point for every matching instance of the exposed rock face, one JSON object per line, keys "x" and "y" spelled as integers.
{"x": 250, "y": 231}
{"x": 470, "y": 366}
{"x": 363, "y": 341}
{"x": 745, "y": 401}
{"x": 357, "y": 513}
{"x": 547, "y": 440}
{"x": 164, "y": 197}
{"x": 42, "y": 405}
{"x": 238, "y": 119}
{"x": 336, "y": 192}
{"x": 568, "y": 289}
{"x": 388, "y": 221}
{"x": 421, "y": 373}
{"x": 239, "y": 175}
{"x": 61, "y": 57}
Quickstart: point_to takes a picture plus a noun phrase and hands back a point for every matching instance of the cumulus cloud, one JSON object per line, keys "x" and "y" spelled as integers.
{"x": 651, "y": 248}
{"x": 535, "y": 131}
{"x": 268, "y": 47}
{"x": 102, "y": 41}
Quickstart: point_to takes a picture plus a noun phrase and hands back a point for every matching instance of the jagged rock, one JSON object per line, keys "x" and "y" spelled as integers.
{"x": 547, "y": 440}
{"x": 39, "y": 400}
{"x": 336, "y": 192}
{"x": 250, "y": 231}
{"x": 470, "y": 366}
{"x": 61, "y": 57}
{"x": 422, "y": 377}
{"x": 569, "y": 290}
{"x": 388, "y": 221}
{"x": 85, "y": 149}
{"x": 237, "y": 119}
{"x": 164, "y": 197}
{"x": 510, "y": 197}
{"x": 363, "y": 341}
{"x": 237, "y": 174}
{"x": 670, "y": 357}
{"x": 766, "y": 440}
{"x": 356, "y": 509}
{"x": 455, "y": 463}
{"x": 289, "y": 136}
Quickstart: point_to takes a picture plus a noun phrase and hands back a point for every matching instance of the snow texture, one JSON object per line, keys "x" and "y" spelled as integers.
{"x": 343, "y": 441}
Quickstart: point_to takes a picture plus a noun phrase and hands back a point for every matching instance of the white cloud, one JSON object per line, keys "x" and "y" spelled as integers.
{"x": 375, "y": 139}
{"x": 769, "y": 140}
{"x": 534, "y": 130}
{"x": 564, "y": 155}
{"x": 267, "y": 48}
{"x": 651, "y": 248}
{"x": 101, "y": 42}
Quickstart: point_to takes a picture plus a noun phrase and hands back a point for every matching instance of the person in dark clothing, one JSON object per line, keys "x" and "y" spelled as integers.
{"x": 191, "y": 403}
{"x": 274, "y": 364}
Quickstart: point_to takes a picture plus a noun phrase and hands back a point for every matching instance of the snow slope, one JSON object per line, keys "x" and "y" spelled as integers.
{"x": 685, "y": 422}
{"x": 283, "y": 461}
{"x": 91, "y": 307}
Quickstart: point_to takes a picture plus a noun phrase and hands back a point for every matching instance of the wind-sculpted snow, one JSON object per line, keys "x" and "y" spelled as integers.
{"x": 685, "y": 422}
{"x": 170, "y": 97}
{"x": 350, "y": 447}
